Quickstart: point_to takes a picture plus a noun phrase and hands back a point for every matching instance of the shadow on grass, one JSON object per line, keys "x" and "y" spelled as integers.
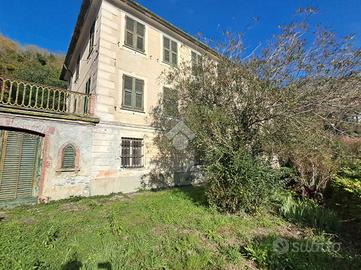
{"x": 73, "y": 264}
{"x": 197, "y": 194}
{"x": 318, "y": 252}
{"x": 76, "y": 264}
{"x": 347, "y": 205}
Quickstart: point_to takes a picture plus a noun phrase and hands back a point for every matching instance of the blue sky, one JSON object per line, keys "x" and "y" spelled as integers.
{"x": 49, "y": 23}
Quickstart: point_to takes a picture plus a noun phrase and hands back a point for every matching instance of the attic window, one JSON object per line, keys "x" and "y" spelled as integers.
{"x": 68, "y": 157}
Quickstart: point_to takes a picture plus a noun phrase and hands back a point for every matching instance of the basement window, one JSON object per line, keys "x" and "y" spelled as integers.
{"x": 132, "y": 153}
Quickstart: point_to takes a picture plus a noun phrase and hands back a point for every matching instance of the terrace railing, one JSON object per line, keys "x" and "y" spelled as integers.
{"x": 30, "y": 96}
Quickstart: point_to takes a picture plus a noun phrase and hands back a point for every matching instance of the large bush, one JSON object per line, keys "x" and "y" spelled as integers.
{"x": 237, "y": 181}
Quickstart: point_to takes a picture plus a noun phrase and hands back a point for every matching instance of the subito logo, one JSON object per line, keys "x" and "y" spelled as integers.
{"x": 180, "y": 135}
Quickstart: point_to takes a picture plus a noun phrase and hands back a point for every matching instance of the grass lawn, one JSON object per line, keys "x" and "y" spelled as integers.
{"x": 171, "y": 229}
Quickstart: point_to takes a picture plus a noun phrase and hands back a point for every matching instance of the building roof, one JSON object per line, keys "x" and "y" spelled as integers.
{"x": 81, "y": 19}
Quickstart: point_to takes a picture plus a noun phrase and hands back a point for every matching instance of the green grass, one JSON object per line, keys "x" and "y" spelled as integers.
{"x": 172, "y": 229}
{"x": 309, "y": 213}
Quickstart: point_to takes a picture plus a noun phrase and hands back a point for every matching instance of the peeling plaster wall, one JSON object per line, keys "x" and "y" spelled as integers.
{"x": 55, "y": 184}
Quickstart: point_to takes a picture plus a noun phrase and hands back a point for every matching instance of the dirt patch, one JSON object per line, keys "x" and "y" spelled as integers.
{"x": 166, "y": 229}
{"x": 290, "y": 231}
{"x": 73, "y": 207}
{"x": 230, "y": 236}
{"x": 286, "y": 231}
{"x": 2, "y": 216}
{"x": 28, "y": 221}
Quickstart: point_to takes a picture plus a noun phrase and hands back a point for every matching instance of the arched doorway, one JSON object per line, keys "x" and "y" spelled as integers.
{"x": 20, "y": 166}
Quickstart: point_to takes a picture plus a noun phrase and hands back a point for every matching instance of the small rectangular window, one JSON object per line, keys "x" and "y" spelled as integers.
{"x": 170, "y": 51}
{"x": 133, "y": 93}
{"x": 91, "y": 39}
{"x": 134, "y": 34}
{"x": 132, "y": 153}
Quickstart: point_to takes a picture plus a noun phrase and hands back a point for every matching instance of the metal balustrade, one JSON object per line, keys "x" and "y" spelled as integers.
{"x": 30, "y": 96}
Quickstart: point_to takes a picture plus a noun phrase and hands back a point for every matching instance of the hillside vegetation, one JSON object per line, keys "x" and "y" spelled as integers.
{"x": 30, "y": 63}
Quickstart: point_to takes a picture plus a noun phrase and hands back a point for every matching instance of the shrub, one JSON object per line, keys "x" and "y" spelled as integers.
{"x": 350, "y": 185}
{"x": 315, "y": 252}
{"x": 238, "y": 182}
{"x": 309, "y": 213}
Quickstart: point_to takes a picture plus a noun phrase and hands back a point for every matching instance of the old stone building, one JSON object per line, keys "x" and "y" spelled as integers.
{"x": 96, "y": 137}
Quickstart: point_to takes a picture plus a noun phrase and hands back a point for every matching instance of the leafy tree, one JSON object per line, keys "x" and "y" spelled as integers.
{"x": 283, "y": 106}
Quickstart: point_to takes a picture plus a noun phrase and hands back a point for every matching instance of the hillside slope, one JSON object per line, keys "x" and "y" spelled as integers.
{"x": 30, "y": 63}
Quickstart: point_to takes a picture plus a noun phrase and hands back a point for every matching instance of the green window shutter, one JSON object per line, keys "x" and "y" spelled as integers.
{"x": 18, "y": 163}
{"x": 69, "y": 155}
{"x": 197, "y": 60}
{"x": 139, "y": 89}
{"x": 166, "y": 53}
{"x": 133, "y": 93}
{"x": 129, "y": 31}
{"x": 11, "y": 157}
{"x": 194, "y": 63}
{"x": 88, "y": 86}
{"x": 140, "y": 36}
{"x": 170, "y": 51}
{"x": 174, "y": 53}
{"x": 127, "y": 91}
{"x": 134, "y": 34}
{"x": 77, "y": 71}
{"x": 170, "y": 102}
{"x": 91, "y": 39}
{"x": 27, "y": 166}
{"x": 86, "y": 98}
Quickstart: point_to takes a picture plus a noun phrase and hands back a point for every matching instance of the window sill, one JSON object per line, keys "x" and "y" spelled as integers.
{"x": 67, "y": 170}
{"x": 135, "y": 50}
{"x": 169, "y": 64}
{"x": 132, "y": 110}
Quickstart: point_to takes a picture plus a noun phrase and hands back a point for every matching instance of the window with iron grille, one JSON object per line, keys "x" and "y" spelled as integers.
{"x": 134, "y": 34}
{"x": 69, "y": 154}
{"x": 91, "y": 39}
{"x": 133, "y": 93}
{"x": 132, "y": 153}
{"x": 170, "y": 51}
